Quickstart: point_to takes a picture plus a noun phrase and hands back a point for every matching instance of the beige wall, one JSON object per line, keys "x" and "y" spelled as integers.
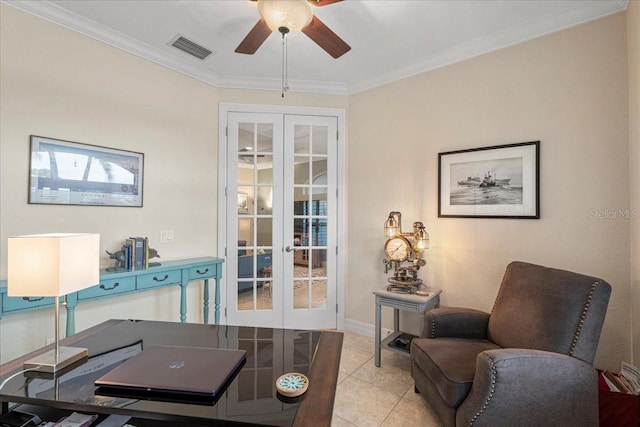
{"x": 567, "y": 90}
{"x": 633, "y": 49}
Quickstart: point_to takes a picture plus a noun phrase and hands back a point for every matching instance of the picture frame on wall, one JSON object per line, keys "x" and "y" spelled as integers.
{"x": 71, "y": 173}
{"x": 501, "y": 181}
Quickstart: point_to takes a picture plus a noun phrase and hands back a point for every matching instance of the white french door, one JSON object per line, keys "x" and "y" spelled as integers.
{"x": 281, "y": 220}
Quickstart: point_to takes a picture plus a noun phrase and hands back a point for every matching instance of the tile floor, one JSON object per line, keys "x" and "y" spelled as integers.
{"x": 370, "y": 396}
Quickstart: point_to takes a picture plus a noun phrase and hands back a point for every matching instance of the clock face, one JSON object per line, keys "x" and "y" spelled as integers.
{"x": 397, "y": 248}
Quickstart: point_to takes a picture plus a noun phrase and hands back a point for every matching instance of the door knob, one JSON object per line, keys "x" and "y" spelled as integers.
{"x": 289, "y": 249}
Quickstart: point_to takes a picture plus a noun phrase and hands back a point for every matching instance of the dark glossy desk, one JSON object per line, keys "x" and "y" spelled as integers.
{"x": 251, "y": 398}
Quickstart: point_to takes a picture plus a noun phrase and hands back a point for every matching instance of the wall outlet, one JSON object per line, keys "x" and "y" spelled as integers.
{"x": 166, "y": 236}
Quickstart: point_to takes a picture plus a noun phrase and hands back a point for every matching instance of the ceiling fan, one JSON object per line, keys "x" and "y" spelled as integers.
{"x": 292, "y": 15}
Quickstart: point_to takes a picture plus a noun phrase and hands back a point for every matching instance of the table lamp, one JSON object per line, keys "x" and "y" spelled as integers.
{"x": 53, "y": 265}
{"x": 419, "y": 236}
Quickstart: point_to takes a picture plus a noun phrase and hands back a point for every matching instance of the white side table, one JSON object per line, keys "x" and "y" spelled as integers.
{"x": 400, "y": 301}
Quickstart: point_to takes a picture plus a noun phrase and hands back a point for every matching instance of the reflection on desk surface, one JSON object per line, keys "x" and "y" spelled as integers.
{"x": 77, "y": 384}
{"x": 250, "y": 397}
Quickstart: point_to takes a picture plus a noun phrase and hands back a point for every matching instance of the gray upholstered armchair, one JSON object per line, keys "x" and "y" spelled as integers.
{"x": 527, "y": 363}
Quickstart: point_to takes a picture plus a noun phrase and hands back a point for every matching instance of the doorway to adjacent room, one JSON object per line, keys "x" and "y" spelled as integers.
{"x": 280, "y": 218}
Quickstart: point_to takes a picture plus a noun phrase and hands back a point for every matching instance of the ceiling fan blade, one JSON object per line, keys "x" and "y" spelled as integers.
{"x": 325, "y": 38}
{"x": 254, "y": 39}
{"x": 320, "y": 3}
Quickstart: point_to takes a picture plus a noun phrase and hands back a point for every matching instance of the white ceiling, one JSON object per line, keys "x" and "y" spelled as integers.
{"x": 389, "y": 39}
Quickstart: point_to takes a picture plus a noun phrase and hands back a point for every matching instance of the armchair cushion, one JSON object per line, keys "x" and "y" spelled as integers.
{"x": 450, "y": 363}
{"x": 455, "y": 322}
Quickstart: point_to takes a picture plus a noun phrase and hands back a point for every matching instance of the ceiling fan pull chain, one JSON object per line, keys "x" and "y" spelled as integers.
{"x": 286, "y": 65}
{"x": 282, "y": 76}
{"x": 285, "y": 86}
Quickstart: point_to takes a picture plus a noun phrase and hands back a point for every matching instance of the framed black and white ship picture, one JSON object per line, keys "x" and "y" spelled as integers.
{"x": 501, "y": 181}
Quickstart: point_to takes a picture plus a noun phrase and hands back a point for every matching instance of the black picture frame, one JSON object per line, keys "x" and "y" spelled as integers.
{"x": 501, "y": 181}
{"x": 71, "y": 173}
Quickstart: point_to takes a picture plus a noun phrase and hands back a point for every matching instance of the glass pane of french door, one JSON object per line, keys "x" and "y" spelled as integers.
{"x": 253, "y": 140}
{"x": 310, "y": 206}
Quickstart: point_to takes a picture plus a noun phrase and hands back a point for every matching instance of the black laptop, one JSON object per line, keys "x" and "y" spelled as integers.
{"x": 175, "y": 374}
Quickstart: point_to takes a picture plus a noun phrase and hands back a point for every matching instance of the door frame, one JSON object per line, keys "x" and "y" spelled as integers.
{"x": 223, "y": 110}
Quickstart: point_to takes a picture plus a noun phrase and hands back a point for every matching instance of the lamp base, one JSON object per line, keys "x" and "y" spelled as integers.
{"x": 46, "y": 362}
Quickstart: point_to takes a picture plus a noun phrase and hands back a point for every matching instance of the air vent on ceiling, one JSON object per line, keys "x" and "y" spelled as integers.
{"x": 190, "y": 47}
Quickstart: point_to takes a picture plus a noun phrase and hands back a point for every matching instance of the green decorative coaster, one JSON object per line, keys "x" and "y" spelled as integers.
{"x": 292, "y": 384}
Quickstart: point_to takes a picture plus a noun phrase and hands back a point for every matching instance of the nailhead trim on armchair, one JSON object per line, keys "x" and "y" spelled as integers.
{"x": 433, "y": 326}
{"x": 585, "y": 309}
{"x": 494, "y": 375}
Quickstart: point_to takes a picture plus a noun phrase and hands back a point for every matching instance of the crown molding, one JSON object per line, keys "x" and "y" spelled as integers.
{"x": 509, "y": 37}
{"x": 57, "y": 15}
{"x": 521, "y": 33}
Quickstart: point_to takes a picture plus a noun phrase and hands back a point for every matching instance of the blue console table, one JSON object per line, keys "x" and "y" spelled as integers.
{"x": 116, "y": 283}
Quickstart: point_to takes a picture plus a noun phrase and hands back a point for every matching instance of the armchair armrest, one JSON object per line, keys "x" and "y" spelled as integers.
{"x": 455, "y": 322}
{"x": 530, "y": 387}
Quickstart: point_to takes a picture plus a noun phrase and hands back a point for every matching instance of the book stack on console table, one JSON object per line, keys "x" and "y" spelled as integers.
{"x": 620, "y": 397}
{"x": 136, "y": 253}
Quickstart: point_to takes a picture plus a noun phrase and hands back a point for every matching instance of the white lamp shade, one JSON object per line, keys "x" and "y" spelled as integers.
{"x": 52, "y": 265}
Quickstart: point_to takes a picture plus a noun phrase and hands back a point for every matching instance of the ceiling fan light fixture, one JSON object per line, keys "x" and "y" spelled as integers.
{"x": 291, "y": 14}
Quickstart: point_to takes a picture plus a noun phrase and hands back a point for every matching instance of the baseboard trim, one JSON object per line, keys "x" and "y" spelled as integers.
{"x": 362, "y": 328}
